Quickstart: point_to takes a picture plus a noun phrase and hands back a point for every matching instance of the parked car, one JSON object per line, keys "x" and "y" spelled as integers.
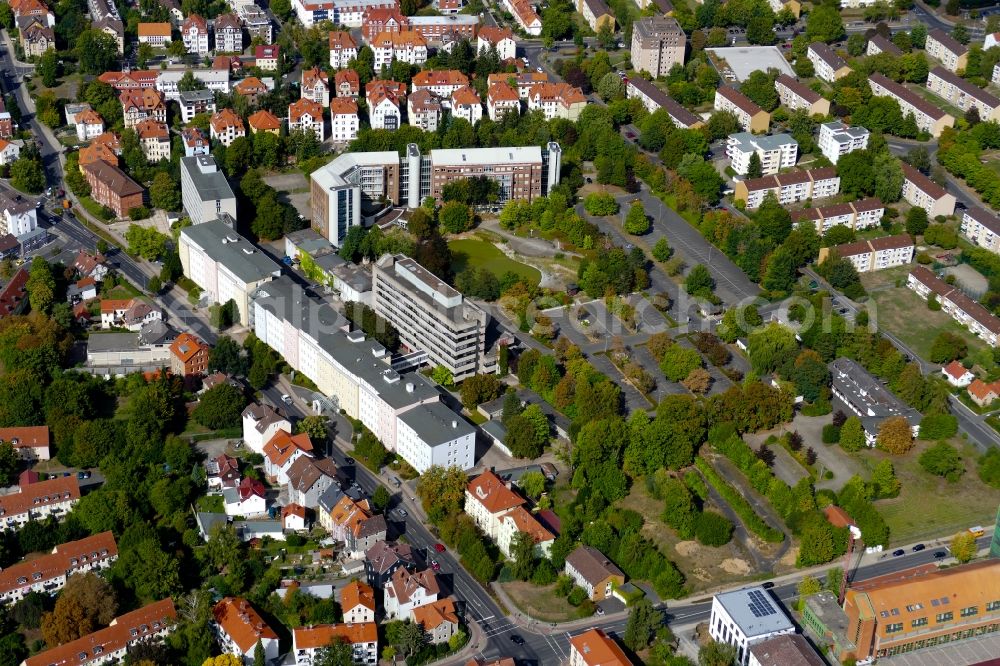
{"x": 516, "y": 640}
{"x": 435, "y": 565}
{"x": 919, "y": 547}
{"x": 287, "y": 399}
{"x": 940, "y": 555}
{"x": 898, "y": 553}
{"x": 439, "y": 547}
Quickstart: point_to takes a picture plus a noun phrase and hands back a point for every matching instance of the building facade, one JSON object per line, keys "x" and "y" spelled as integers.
{"x": 837, "y": 139}
{"x": 776, "y": 152}
{"x": 658, "y": 43}
{"x": 205, "y": 191}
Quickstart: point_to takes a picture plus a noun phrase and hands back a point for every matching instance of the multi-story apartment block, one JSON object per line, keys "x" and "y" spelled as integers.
{"x": 789, "y": 187}
{"x": 596, "y": 13}
{"x": 654, "y": 99}
{"x": 962, "y": 93}
{"x": 260, "y": 424}
{"x": 929, "y": 118}
{"x": 432, "y": 316}
{"x": 383, "y": 19}
{"x": 954, "y": 302}
{"x": 111, "y": 644}
{"x": 523, "y": 81}
{"x": 751, "y": 117}
{"x": 315, "y": 86}
{"x": 344, "y": 121}
{"x": 48, "y": 574}
{"x": 502, "y": 99}
{"x": 828, "y": 65}
{"x": 132, "y": 80}
{"x": 104, "y": 17}
{"x": 306, "y": 115}
{"x": 557, "y": 100}
{"x": 37, "y": 501}
{"x": 357, "y": 375}
{"x": 855, "y": 215}
{"x": 18, "y": 215}
{"x": 154, "y": 137}
{"x": 224, "y": 264}
{"x": 776, "y": 152}
{"x": 442, "y": 29}
{"x": 228, "y": 34}
{"x": 348, "y": 13}
{"x": 837, "y": 139}
{"x": 441, "y": 82}
{"x": 308, "y": 643}
{"x": 214, "y": 80}
{"x": 138, "y": 105}
{"x": 947, "y": 50}
{"x": 239, "y": 628}
{"x": 343, "y": 49}
{"x": 423, "y": 110}
{"x": 743, "y": 617}
{"x": 205, "y": 190}
{"x": 112, "y": 187}
{"x": 525, "y": 15}
{"x": 195, "y": 142}
{"x": 257, "y": 23}
{"x": 982, "y": 228}
{"x": 409, "y": 47}
{"x": 337, "y": 188}
{"x": 658, "y": 44}
{"x": 225, "y": 126}
{"x": 9, "y": 152}
{"x": 465, "y": 103}
{"x": 874, "y": 255}
{"x": 499, "y": 512}
{"x": 193, "y": 102}
{"x": 154, "y": 34}
{"x": 189, "y": 356}
{"x": 932, "y": 607}
{"x": 879, "y": 44}
{"x": 408, "y": 590}
{"x": 594, "y": 572}
{"x": 995, "y": 79}
{"x": 594, "y": 648}
{"x": 501, "y": 39}
{"x": 919, "y": 190}
{"x": 354, "y": 523}
{"x": 37, "y": 38}
{"x": 194, "y": 32}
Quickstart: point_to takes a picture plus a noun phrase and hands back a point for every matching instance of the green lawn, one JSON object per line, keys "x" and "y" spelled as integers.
{"x": 896, "y": 308}
{"x": 929, "y": 506}
{"x": 210, "y": 504}
{"x": 481, "y": 254}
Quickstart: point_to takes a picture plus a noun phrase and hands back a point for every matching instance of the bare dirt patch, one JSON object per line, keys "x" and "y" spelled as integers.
{"x": 736, "y": 566}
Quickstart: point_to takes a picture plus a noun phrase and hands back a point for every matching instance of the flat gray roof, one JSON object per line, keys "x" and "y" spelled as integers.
{"x": 364, "y": 357}
{"x": 436, "y": 424}
{"x": 101, "y": 342}
{"x": 211, "y": 185}
{"x": 746, "y": 59}
{"x": 754, "y": 611}
{"x": 236, "y": 253}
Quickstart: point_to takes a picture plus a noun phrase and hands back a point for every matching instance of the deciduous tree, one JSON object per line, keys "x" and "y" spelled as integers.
{"x": 86, "y": 604}
{"x": 895, "y": 435}
{"x": 963, "y": 546}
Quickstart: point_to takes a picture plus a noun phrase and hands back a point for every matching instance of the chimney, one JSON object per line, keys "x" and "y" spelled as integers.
{"x": 454, "y": 423}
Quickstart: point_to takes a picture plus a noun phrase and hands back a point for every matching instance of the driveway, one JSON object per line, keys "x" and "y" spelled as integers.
{"x": 829, "y": 457}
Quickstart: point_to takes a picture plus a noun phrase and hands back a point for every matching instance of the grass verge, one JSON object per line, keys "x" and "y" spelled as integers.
{"x": 469, "y": 252}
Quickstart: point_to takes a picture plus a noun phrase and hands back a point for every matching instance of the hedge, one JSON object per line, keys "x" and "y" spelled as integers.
{"x": 753, "y": 522}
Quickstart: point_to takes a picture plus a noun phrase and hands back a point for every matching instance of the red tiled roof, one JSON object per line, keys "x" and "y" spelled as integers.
{"x": 241, "y": 622}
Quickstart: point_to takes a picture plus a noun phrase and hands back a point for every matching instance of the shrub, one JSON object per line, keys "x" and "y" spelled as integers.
{"x": 989, "y": 467}
{"x": 831, "y": 434}
{"x": 577, "y": 596}
{"x": 943, "y": 459}
{"x": 743, "y": 509}
{"x": 713, "y": 529}
{"x": 139, "y": 213}
{"x": 938, "y": 426}
{"x": 600, "y": 203}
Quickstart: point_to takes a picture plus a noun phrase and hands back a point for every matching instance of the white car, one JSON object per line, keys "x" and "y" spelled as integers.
{"x": 539, "y": 70}
{"x": 287, "y": 399}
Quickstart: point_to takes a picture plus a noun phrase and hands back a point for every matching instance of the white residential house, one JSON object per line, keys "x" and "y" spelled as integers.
{"x": 357, "y": 602}
{"x": 309, "y": 642}
{"x": 432, "y": 435}
{"x": 193, "y": 102}
{"x": 982, "y": 228}
{"x": 9, "y": 151}
{"x": 306, "y": 115}
{"x": 89, "y": 125}
{"x": 239, "y": 627}
{"x": 465, "y": 103}
{"x": 315, "y": 86}
{"x": 260, "y": 424}
{"x": 225, "y": 127}
{"x": 344, "y": 121}
{"x": 947, "y": 50}
{"x": 408, "y": 46}
{"x": 281, "y": 451}
{"x": 154, "y": 137}
{"x": 957, "y": 374}
{"x": 919, "y": 190}
{"x": 876, "y": 254}
{"x": 499, "y": 512}
{"x": 247, "y": 499}
{"x": 228, "y": 34}
{"x": 47, "y": 574}
{"x": 836, "y": 139}
{"x": 37, "y": 501}
{"x": 194, "y": 32}
{"x": 828, "y": 65}
{"x": 502, "y": 99}
{"x": 383, "y": 109}
{"x": 776, "y": 152}
{"x": 343, "y": 49}
{"x": 408, "y": 590}
{"x": 423, "y": 110}
{"x": 502, "y": 39}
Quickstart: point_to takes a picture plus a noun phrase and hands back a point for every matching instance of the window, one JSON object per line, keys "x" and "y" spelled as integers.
{"x": 992, "y": 606}
{"x": 919, "y": 622}
{"x": 970, "y": 611}
{"x": 945, "y": 617}
{"x": 893, "y": 628}
{"x": 914, "y": 607}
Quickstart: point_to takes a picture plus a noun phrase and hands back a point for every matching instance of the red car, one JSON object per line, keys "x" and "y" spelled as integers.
{"x": 439, "y": 547}
{"x": 435, "y": 565}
